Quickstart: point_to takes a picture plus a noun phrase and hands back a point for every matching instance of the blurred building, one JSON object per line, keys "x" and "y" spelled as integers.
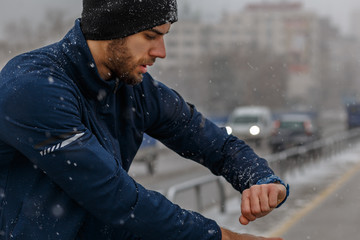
{"x": 354, "y": 24}
{"x": 185, "y": 42}
{"x": 344, "y": 81}
{"x": 355, "y": 33}
{"x": 285, "y": 28}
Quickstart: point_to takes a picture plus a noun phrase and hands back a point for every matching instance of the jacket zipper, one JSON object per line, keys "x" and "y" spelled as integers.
{"x": 117, "y": 82}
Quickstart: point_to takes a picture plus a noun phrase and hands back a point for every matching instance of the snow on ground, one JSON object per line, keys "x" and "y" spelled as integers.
{"x": 305, "y": 183}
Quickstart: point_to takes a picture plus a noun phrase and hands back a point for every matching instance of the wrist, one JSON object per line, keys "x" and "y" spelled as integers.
{"x": 277, "y": 180}
{"x": 224, "y": 234}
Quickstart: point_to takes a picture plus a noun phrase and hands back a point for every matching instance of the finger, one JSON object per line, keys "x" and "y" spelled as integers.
{"x": 243, "y": 220}
{"x": 246, "y": 208}
{"x": 252, "y": 237}
{"x": 264, "y": 200}
{"x": 271, "y": 238}
{"x": 274, "y": 198}
{"x": 255, "y": 200}
{"x": 282, "y": 193}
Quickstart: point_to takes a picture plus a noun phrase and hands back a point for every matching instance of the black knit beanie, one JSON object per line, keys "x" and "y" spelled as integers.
{"x": 112, "y": 19}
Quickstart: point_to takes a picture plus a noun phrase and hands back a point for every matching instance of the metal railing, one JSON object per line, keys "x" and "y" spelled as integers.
{"x": 197, "y": 184}
{"x": 319, "y": 149}
{"x": 323, "y": 147}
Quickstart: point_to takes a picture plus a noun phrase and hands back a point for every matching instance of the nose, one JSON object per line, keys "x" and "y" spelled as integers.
{"x": 158, "y": 50}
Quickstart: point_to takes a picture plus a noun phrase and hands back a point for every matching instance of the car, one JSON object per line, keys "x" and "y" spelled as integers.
{"x": 353, "y": 115}
{"x": 292, "y": 130}
{"x": 250, "y": 123}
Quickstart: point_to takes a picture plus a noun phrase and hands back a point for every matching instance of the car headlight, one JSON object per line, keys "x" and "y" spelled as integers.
{"x": 254, "y": 130}
{"x": 228, "y": 130}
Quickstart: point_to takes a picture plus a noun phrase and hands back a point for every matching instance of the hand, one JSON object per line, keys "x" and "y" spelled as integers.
{"x": 228, "y": 235}
{"x": 260, "y": 200}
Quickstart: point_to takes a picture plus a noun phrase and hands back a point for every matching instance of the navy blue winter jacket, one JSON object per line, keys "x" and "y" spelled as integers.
{"x": 68, "y": 138}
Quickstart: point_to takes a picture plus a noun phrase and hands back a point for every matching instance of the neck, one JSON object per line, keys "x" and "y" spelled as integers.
{"x": 98, "y": 50}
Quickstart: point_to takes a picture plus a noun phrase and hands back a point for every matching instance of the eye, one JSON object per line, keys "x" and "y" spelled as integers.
{"x": 150, "y": 36}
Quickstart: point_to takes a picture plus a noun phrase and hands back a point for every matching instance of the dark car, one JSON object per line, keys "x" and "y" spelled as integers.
{"x": 353, "y": 115}
{"x": 291, "y": 130}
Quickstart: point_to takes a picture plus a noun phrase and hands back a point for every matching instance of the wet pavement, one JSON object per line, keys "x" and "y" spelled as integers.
{"x": 324, "y": 201}
{"x": 333, "y": 214}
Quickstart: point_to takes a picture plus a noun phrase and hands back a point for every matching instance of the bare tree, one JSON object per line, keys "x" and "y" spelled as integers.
{"x": 22, "y": 36}
{"x": 246, "y": 77}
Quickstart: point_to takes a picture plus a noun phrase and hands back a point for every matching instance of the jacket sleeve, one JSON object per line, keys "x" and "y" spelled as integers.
{"x": 185, "y": 130}
{"x": 41, "y": 119}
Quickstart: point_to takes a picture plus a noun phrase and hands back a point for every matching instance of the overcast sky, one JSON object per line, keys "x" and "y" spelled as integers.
{"x": 33, "y": 10}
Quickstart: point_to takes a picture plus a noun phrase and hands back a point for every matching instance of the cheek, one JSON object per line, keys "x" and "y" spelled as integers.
{"x": 139, "y": 50}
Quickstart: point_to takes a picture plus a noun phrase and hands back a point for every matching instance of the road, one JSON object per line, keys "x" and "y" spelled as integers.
{"x": 307, "y": 182}
{"x": 171, "y": 169}
{"x": 333, "y": 214}
{"x": 302, "y": 217}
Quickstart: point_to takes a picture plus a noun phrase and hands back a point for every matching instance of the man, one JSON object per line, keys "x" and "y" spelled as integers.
{"x": 72, "y": 116}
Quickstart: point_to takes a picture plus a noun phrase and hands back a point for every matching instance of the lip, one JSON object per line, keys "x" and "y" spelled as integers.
{"x": 143, "y": 68}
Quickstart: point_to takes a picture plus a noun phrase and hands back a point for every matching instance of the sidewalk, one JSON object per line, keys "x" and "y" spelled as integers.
{"x": 333, "y": 215}
{"x": 170, "y": 169}
{"x": 324, "y": 203}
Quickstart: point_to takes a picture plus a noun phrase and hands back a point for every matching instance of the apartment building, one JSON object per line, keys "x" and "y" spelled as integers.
{"x": 285, "y": 28}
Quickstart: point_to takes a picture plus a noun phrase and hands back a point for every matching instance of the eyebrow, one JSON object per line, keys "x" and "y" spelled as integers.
{"x": 157, "y": 31}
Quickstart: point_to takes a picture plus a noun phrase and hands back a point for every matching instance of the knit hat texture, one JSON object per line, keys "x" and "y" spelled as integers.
{"x": 112, "y": 19}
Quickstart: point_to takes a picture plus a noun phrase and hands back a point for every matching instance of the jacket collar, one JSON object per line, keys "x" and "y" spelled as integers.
{"x": 82, "y": 67}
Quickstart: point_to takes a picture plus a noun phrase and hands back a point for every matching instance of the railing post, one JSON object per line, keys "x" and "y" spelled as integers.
{"x": 222, "y": 196}
{"x": 198, "y": 198}
{"x": 328, "y": 147}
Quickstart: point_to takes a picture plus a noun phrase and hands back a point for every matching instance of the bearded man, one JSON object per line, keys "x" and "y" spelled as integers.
{"x": 72, "y": 117}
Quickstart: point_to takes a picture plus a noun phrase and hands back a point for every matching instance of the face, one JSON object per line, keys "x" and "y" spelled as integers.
{"x": 129, "y": 58}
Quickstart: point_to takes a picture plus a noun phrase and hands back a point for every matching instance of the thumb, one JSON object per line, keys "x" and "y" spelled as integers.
{"x": 282, "y": 193}
{"x": 243, "y": 220}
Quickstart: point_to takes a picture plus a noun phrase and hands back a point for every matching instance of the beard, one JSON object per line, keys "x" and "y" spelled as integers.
{"x": 122, "y": 64}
